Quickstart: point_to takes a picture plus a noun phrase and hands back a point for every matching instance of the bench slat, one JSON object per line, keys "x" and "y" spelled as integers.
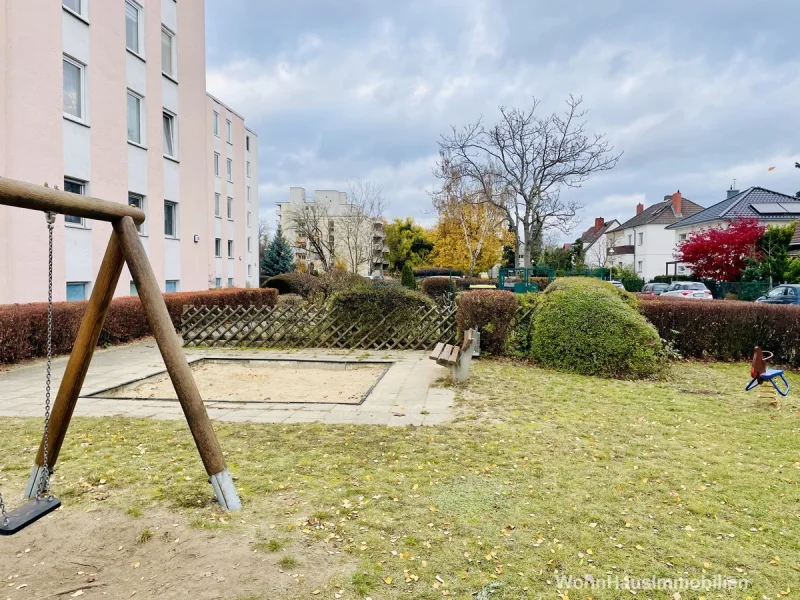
{"x": 437, "y": 351}
{"x": 446, "y": 352}
{"x": 455, "y": 354}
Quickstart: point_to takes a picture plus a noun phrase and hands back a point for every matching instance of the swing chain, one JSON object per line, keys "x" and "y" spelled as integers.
{"x": 44, "y": 482}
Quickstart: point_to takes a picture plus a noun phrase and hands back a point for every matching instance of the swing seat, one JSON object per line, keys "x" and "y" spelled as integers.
{"x": 27, "y": 514}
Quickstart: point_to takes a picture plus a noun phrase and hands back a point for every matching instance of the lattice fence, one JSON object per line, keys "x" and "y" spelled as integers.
{"x": 315, "y": 326}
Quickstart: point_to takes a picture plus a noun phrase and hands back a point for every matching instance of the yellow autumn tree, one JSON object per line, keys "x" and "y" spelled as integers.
{"x": 469, "y": 234}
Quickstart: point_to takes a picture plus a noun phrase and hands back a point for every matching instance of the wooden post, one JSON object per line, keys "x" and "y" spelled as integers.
{"x": 79, "y": 359}
{"x": 178, "y": 368}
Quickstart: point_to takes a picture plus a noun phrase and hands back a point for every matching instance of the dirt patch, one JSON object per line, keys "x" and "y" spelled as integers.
{"x": 220, "y": 382}
{"x": 105, "y": 554}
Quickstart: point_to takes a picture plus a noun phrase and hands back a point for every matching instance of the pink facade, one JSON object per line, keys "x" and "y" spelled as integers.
{"x": 41, "y": 141}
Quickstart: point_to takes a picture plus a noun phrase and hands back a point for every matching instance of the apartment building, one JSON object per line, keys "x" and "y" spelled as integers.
{"x": 332, "y": 216}
{"x": 108, "y": 98}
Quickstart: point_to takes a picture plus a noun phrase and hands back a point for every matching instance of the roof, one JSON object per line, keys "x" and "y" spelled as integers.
{"x": 795, "y": 243}
{"x": 752, "y": 203}
{"x": 661, "y": 214}
{"x": 590, "y": 236}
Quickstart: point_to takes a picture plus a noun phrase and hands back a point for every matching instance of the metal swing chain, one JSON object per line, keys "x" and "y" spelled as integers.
{"x": 44, "y": 481}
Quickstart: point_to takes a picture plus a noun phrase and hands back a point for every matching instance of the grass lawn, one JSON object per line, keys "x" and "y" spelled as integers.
{"x": 543, "y": 475}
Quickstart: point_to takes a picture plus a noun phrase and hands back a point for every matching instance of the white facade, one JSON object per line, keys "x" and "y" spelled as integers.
{"x": 335, "y": 208}
{"x": 595, "y": 247}
{"x": 646, "y": 248}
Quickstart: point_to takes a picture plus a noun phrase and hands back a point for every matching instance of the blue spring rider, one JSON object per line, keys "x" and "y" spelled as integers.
{"x": 760, "y": 373}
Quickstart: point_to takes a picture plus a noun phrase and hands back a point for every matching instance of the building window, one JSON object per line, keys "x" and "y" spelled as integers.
{"x": 73, "y": 5}
{"x": 137, "y": 201}
{"x": 74, "y": 186}
{"x": 216, "y": 164}
{"x": 230, "y": 248}
{"x": 170, "y": 219}
{"x": 218, "y": 282}
{"x": 74, "y": 94}
{"x": 682, "y": 237}
{"x": 247, "y": 143}
{"x": 230, "y": 170}
{"x": 134, "y": 118}
{"x": 133, "y": 290}
{"x": 169, "y": 135}
{"x": 218, "y": 247}
{"x": 249, "y": 244}
{"x": 228, "y": 131}
{"x": 230, "y": 281}
{"x": 167, "y": 52}
{"x": 641, "y": 239}
{"x": 248, "y": 168}
{"x": 249, "y": 270}
{"x": 172, "y": 285}
{"x": 248, "y": 193}
{"x": 76, "y": 291}
{"x": 132, "y": 14}
{"x": 630, "y": 239}
{"x": 216, "y": 123}
{"x": 217, "y": 201}
{"x": 249, "y": 217}
{"x": 639, "y": 269}
{"x": 230, "y": 208}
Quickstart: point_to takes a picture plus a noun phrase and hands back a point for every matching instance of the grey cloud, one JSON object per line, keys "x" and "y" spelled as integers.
{"x": 695, "y": 92}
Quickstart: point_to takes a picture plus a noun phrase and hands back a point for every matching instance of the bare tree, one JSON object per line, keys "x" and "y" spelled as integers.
{"x": 598, "y": 254}
{"x": 524, "y": 161}
{"x": 263, "y": 237}
{"x": 355, "y": 228}
{"x": 313, "y": 229}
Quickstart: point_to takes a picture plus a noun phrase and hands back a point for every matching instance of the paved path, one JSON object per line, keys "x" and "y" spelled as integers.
{"x": 402, "y": 397}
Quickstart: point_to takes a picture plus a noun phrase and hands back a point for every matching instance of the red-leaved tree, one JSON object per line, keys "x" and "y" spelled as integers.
{"x": 720, "y": 253}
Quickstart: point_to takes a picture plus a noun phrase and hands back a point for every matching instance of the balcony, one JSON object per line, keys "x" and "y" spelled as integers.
{"x": 620, "y": 250}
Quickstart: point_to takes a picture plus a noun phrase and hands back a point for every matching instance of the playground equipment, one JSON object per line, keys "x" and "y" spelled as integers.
{"x": 519, "y": 279}
{"x": 760, "y": 374}
{"x": 124, "y": 246}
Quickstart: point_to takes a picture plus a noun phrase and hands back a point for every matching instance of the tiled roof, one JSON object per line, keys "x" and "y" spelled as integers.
{"x": 661, "y": 214}
{"x": 795, "y": 243}
{"x": 590, "y": 236}
{"x": 741, "y": 206}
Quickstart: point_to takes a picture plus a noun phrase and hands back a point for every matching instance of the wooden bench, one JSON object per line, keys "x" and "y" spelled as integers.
{"x": 456, "y": 358}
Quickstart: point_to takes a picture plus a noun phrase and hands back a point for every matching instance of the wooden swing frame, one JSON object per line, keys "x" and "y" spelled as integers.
{"x": 124, "y": 247}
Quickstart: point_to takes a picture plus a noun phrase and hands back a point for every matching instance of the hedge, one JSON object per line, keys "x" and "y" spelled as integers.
{"x": 23, "y": 327}
{"x": 587, "y": 326}
{"x": 725, "y": 329}
{"x": 436, "y": 271}
{"x": 442, "y": 287}
{"x": 492, "y": 312}
{"x": 518, "y": 342}
{"x": 302, "y": 284}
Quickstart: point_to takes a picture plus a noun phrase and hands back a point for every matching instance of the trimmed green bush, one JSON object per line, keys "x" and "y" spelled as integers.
{"x": 369, "y": 306}
{"x": 302, "y": 284}
{"x": 587, "y": 326}
{"x": 440, "y": 288}
{"x": 340, "y": 281}
{"x": 408, "y": 280}
{"x": 491, "y": 311}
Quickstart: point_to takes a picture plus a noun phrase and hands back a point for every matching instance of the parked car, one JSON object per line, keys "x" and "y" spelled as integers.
{"x": 655, "y": 289}
{"x": 782, "y": 294}
{"x": 689, "y": 289}
{"x": 617, "y": 284}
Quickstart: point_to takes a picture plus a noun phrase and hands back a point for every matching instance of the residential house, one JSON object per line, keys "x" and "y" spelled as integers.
{"x": 332, "y": 212}
{"x": 643, "y": 241}
{"x": 595, "y": 242}
{"x": 770, "y": 208}
{"x": 794, "y": 245}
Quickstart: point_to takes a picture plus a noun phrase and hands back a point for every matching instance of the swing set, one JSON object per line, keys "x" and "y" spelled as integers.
{"x": 124, "y": 247}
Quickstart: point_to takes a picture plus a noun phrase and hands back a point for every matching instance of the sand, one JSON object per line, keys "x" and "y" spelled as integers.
{"x": 221, "y": 382}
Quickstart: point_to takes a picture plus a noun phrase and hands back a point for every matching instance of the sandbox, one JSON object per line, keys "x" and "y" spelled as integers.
{"x": 264, "y": 380}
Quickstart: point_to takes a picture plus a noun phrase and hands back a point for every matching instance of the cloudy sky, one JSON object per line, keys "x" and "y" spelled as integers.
{"x": 695, "y": 92}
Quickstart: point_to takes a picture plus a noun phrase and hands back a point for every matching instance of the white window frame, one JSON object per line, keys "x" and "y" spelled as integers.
{"x": 247, "y": 142}
{"x": 175, "y": 221}
{"x": 83, "y": 117}
{"x": 177, "y": 283}
{"x": 216, "y": 164}
{"x": 681, "y": 237}
{"x": 174, "y": 120}
{"x": 140, "y": 26}
{"x": 173, "y": 74}
{"x": 83, "y": 11}
{"x": 82, "y": 224}
{"x": 85, "y": 285}
{"x": 249, "y": 217}
{"x": 248, "y": 168}
{"x": 249, "y": 244}
{"x": 218, "y": 247}
{"x": 141, "y": 227}
{"x": 229, "y": 131}
{"x": 641, "y": 239}
{"x": 249, "y": 270}
{"x": 229, "y": 208}
{"x": 218, "y": 205}
{"x": 216, "y": 123}
{"x": 230, "y": 249}
{"x": 142, "y": 128}
{"x": 248, "y": 193}
{"x": 229, "y": 168}
{"x": 640, "y": 266}
{"x": 218, "y": 282}
{"x": 230, "y": 282}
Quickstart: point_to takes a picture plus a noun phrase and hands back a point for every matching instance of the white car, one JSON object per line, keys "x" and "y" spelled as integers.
{"x": 689, "y": 289}
{"x": 617, "y": 284}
